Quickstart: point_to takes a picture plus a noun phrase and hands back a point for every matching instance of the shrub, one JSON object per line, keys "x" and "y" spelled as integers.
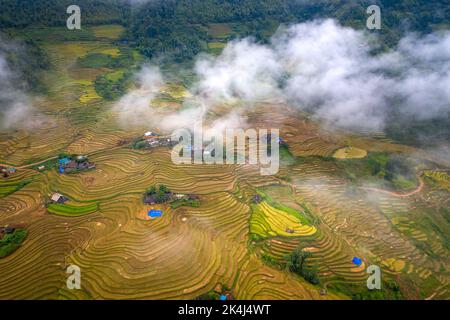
{"x": 11, "y": 242}
{"x": 297, "y": 264}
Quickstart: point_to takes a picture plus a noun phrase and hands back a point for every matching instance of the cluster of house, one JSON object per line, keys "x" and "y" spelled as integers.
{"x": 152, "y": 198}
{"x": 6, "y": 230}
{"x": 6, "y": 171}
{"x": 154, "y": 140}
{"x": 79, "y": 163}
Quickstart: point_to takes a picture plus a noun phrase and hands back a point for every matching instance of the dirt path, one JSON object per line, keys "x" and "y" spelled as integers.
{"x": 28, "y": 165}
{"x": 56, "y": 157}
{"x": 399, "y": 194}
{"x": 391, "y": 193}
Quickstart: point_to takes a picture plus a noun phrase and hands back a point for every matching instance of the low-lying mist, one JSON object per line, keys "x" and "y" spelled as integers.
{"x": 324, "y": 68}
{"x": 16, "y": 106}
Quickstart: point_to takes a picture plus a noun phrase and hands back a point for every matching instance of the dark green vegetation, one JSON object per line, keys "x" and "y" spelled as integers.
{"x": 390, "y": 290}
{"x": 48, "y": 165}
{"x": 95, "y": 60}
{"x": 419, "y": 131}
{"x": 286, "y": 156}
{"x": 185, "y": 203}
{"x": 22, "y": 13}
{"x": 139, "y": 143}
{"x": 11, "y": 242}
{"x": 210, "y": 295}
{"x": 395, "y": 171}
{"x": 58, "y": 33}
{"x": 99, "y": 60}
{"x": 215, "y": 294}
{"x": 157, "y": 194}
{"x": 178, "y": 29}
{"x": 297, "y": 264}
{"x": 162, "y": 194}
{"x": 109, "y": 87}
{"x": 27, "y": 60}
{"x": 112, "y": 85}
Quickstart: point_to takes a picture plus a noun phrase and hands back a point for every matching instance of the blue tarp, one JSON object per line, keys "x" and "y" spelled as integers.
{"x": 155, "y": 213}
{"x": 64, "y": 161}
{"x": 61, "y": 169}
{"x": 223, "y": 297}
{"x": 357, "y": 261}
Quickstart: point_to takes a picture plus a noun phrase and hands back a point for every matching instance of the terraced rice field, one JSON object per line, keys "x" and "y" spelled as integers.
{"x": 268, "y": 221}
{"x": 350, "y": 153}
{"x": 123, "y": 254}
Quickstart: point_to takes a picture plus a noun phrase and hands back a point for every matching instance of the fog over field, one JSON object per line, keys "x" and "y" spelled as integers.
{"x": 327, "y": 69}
{"x": 16, "y": 109}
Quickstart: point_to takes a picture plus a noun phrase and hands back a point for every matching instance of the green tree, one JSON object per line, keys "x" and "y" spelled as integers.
{"x": 151, "y": 190}
{"x": 297, "y": 264}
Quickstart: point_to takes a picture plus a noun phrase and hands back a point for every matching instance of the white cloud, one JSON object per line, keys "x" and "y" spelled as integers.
{"x": 16, "y": 107}
{"x": 320, "y": 66}
{"x": 244, "y": 70}
{"x": 135, "y": 108}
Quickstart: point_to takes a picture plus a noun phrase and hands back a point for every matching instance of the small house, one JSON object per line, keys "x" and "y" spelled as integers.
{"x": 40, "y": 168}
{"x": 81, "y": 158}
{"x": 58, "y": 198}
{"x": 150, "y": 199}
{"x": 150, "y": 134}
{"x": 257, "y": 198}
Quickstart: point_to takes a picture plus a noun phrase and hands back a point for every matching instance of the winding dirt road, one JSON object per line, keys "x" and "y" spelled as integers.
{"x": 399, "y": 194}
